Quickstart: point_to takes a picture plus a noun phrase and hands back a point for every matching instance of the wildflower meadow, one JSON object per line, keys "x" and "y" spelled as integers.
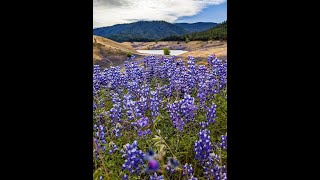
{"x": 163, "y": 119}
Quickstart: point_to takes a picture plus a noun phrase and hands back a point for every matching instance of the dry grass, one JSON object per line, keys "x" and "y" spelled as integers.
{"x": 220, "y": 51}
{"x": 198, "y": 49}
{"x": 112, "y": 44}
{"x": 106, "y": 50}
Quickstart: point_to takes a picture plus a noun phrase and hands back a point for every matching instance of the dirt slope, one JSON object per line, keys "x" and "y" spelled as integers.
{"x": 107, "y": 52}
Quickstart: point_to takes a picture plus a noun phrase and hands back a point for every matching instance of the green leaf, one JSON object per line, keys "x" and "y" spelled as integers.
{"x": 96, "y": 175}
{"x": 157, "y": 120}
{"x": 157, "y": 138}
{"x": 158, "y": 143}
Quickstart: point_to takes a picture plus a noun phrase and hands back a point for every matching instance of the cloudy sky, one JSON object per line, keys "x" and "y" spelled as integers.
{"x": 110, "y": 12}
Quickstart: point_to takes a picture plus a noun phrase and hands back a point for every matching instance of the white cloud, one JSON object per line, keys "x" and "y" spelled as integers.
{"x": 110, "y": 12}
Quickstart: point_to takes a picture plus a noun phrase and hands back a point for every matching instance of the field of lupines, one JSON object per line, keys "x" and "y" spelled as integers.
{"x": 162, "y": 120}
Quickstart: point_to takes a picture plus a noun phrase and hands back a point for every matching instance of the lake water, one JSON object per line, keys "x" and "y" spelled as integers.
{"x": 160, "y": 52}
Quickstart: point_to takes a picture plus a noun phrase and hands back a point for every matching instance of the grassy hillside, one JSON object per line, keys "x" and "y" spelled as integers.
{"x": 108, "y": 43}
{"x": 219, "y": 32}
{"x": 107, "y": 52}
{"x": 197, "y": 27}
{"x": 216, "y": 33}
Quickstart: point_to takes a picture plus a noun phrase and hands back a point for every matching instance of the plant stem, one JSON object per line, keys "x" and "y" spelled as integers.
{"x": 166, "y": 143}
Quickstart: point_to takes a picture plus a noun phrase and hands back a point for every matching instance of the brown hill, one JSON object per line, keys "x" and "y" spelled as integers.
{"x": 107, "y": 52}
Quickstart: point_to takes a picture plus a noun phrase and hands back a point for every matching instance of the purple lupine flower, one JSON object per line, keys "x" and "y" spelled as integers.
{"x": 202, "y": 93}
{"x": 192, "y": 178}
{"x": 175, "y": 116}
{"x": 156, "y": 177}
{"x": 117, "y": 132}
{"x": 213, "y": 168}
{"x": 203, "y": 146}
{"x": 101, "y": 103}
{"x": 143, "y": 104}
{"x": 224, "y": 173}
{"x": 94, "y": 106}
{"x": 113, "y": 147}
{"x": 143, "y": 122}
{"x": 182, "y": 112}
{"x": 140, "y": 124}
{"x": 96, "y": 79}
{"x": 211, "y": 113}
{"x": 125, "y": 177}
{"x": 191, "y": 72}
{"x": 216, "y": 171}
{"x": 132, "y": 109}
{"x": 202, "y": 85}
{"x": 173, "y": 163}
{"x": 144, "y": 133}
{"x": 204, "y": 124}
{"x": 115, "y": 113}
{"x": 133, "y": 158}
{"x": 100, "y": 139}
{"x": 96, "y": 150}
{"x": 150, "y": 155}
{"x": 153, "y": 165}
{"x": 187, "y": 170}
{"x": 187, "y": 108}
{"x": 170, "y": 170}
{"x": 223, "y": 143}
{"x": 154, "y": 104}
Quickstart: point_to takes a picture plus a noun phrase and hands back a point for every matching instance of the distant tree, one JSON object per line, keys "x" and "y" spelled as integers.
{"x": 218, "y": 32}
{"x": 187, "y": 40}
{"x": 166, "y": 51}
{"x": 129, "y": 54}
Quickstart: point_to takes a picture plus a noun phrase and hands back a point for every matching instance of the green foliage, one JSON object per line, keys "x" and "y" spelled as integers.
{"x": 216, "y": 33}
{"x": 166, "y": 51}
{"x": 129, "y": 54}
{"x": 187, "y": 40}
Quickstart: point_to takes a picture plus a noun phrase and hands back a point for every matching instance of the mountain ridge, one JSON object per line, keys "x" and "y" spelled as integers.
{"x": 149, "y": 30}
{"x": 198, "y": 26}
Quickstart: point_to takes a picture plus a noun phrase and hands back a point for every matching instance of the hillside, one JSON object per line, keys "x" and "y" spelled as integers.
{"x": 107, "y": 52}
{"x": 198, "y": 49}
{"x": 197, "y": 27}
{"x": 216, "y": 33}
{"x": 144, "y": 31}
{"x": 140, "y": 31}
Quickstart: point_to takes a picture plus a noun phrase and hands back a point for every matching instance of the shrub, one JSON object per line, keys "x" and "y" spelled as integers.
{"x": 129, "y": 54}
{"x": 166, "y": 51}
{"x": 187, "y": 40}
